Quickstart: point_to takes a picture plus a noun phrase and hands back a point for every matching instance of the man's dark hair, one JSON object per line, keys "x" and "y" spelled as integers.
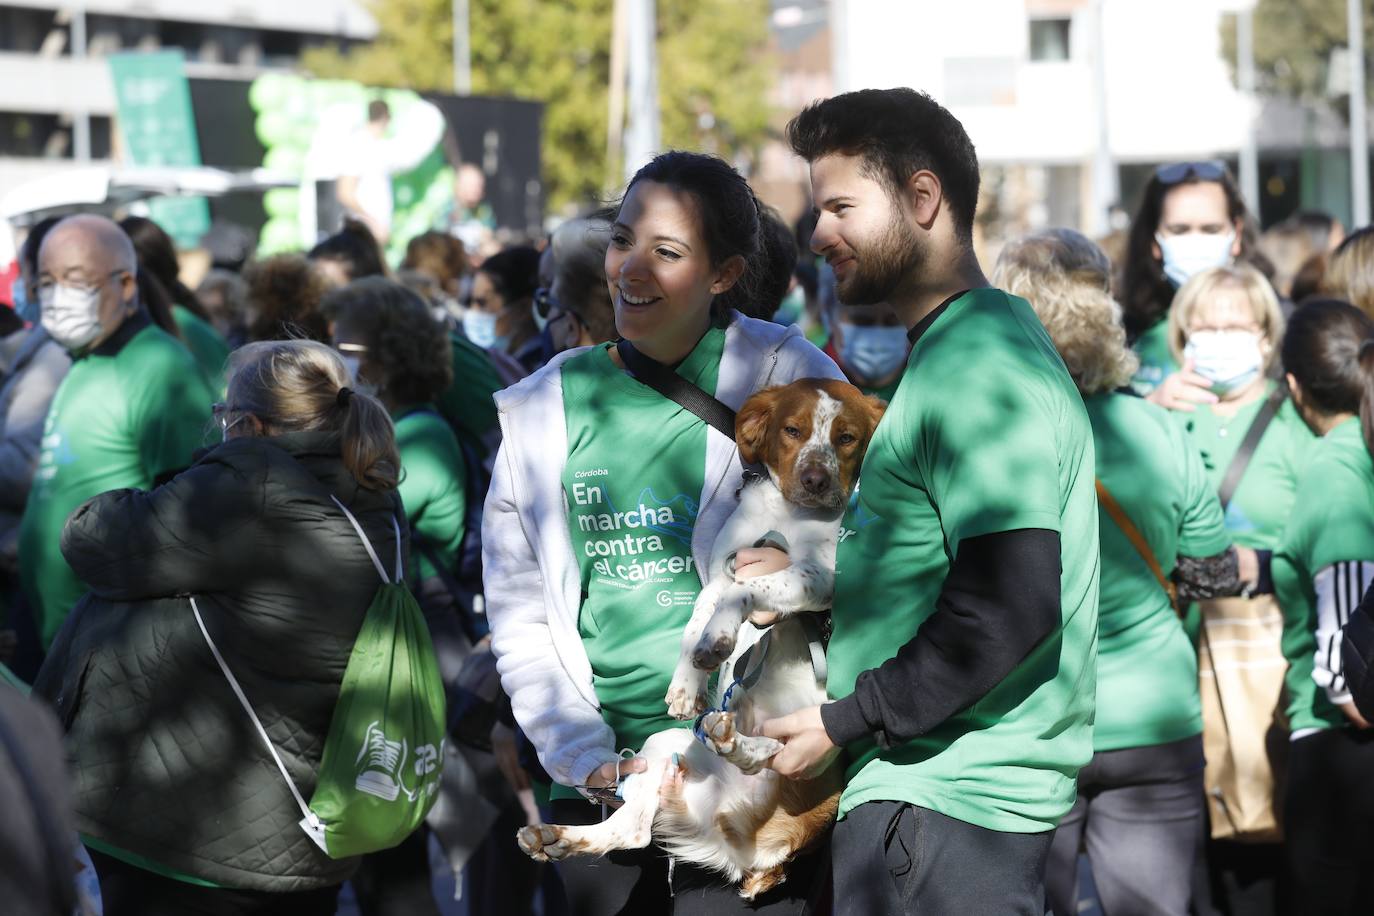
{"x": 355, "y": 247}
{"x": 377, "y": 110}
{"x": 897, "y": 133}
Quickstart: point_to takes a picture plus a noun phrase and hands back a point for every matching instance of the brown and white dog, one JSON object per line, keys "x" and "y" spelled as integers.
{"x": 711, "y": 801}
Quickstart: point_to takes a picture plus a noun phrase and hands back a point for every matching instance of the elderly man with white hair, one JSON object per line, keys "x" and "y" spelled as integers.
{"x": 132, "y": 409}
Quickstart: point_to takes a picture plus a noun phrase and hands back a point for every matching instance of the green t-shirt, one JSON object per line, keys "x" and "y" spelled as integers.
{"x": 433, "y": 485}
{"x": 1259, "y": 510}
{"x": 1332, "y": 522}
{"x": 632, "y": 483}
{"x": 205, "y": 344}
{"x": 1147, "y": 689}
{"x": 116, "y": 421}
{"x": 467, "y": 403}
{"x": 885, "y": 392}
{"x": 1156, "y": 359}
{"x": 987, "y": 433}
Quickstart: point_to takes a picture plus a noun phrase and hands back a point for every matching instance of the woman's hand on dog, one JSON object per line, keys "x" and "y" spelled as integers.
{"x": 609, "y": 775}
{"x": 807, "y": 749}
{"x": 751, "y": 562}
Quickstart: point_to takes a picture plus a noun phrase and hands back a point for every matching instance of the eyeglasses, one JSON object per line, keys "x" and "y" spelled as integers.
{"x": 220, "y": 412}
{"x": 544, "y": 303}
{"x": 46, "y": 285}
{"x": 1174, "y": 172}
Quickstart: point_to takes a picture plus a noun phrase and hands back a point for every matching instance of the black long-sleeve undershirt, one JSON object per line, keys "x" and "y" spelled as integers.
{"x": 1000, "y": 599}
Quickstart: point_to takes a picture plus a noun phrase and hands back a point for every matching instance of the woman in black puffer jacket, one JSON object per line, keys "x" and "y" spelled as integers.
{"x": 175, "y": 795}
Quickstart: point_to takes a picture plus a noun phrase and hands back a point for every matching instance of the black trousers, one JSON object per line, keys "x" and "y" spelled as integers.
{"x": 1329, "y": 823}
{"x": 635, "y": 882}
{"x": 894, "y": 858}
{"x": 127, "y": 890}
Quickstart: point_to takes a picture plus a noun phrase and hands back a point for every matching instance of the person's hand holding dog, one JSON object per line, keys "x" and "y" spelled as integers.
{"x": 752, "y": 562}
{"x": 807, "y": 749}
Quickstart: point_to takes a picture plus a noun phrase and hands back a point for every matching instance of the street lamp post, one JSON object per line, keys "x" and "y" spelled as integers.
{"x": 1359, "y": 129}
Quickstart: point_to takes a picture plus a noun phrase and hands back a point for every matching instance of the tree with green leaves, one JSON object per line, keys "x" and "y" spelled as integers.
{"x": 714, "y": 73}
{"x": 1295, "y": 41}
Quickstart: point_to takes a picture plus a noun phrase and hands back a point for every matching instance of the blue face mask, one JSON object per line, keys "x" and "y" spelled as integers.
{"x": 872, "y": 352}
{"x": 25, "y": 306}
{"x": 480, "y": 328}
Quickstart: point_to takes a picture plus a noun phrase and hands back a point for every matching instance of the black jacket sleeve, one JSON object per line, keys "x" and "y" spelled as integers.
{"x": 1357, "y": 651}
{"x": 1000, "y": 599}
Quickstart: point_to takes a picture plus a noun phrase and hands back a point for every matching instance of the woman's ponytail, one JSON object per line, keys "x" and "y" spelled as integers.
{"x": 296, "y": 385}
{"x": 368, "y": 441}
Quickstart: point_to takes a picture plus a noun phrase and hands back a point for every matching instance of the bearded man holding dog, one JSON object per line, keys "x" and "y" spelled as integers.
{"x": 965, "y": 611}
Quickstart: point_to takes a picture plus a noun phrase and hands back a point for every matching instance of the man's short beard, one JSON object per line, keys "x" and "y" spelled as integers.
{"x": 883, "y": 268}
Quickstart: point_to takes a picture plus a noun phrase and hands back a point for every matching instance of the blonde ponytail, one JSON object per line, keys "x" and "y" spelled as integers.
{"x": 299, "y": 385}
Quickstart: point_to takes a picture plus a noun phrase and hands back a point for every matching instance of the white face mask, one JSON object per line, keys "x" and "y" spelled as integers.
{"x": 1192, "y": 253}
{"x": 1230, "y": 360}
{"x": 71, "y": 315}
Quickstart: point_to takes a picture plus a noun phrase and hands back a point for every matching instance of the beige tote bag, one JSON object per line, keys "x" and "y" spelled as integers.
{"x": 1244, "y": 732}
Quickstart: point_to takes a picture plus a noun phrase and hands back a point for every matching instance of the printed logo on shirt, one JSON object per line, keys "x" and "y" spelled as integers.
{"x": 54, "y": 451}
{"x": 857, "y": 517}
{"x": 651, "y": 541}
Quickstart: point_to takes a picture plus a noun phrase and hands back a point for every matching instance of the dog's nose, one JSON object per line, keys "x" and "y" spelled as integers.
{"x": 815, "y": 480}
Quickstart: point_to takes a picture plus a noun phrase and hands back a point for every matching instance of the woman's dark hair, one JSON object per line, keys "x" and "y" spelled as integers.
{"x": 355, "y": 247}
{"x": 283, "y": 299}
{"x": 157, "y": 254}
{"x": 514, "y": 272}
{"x": 768, "y": 275}
{"x": 1145, "y": 292}
{"x": 402, "y": 338}
{"x": 726, "y": 206}
{"x": 28, "y": 254}
{"x": 440, "y": 255}
{"x": 159, "y": 305}
{"x": 1329, "y": 349}
{"x": 897, "y": 133}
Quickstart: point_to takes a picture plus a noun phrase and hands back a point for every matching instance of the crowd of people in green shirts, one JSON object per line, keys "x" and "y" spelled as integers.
{"x": 1098, "y": 594}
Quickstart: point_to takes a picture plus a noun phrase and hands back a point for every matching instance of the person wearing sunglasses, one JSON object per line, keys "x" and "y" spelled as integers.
{"x": 1191, "y": 217}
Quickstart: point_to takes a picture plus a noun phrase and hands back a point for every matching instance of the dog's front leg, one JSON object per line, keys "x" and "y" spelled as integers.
{"x": 630, "y": 827}
{"x": 799, "y": 588}
{"x": 687, "y": 696}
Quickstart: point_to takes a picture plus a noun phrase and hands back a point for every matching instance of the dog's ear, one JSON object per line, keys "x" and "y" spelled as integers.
{"x": 751, "y": 424}
{"x": 876, "y": 408}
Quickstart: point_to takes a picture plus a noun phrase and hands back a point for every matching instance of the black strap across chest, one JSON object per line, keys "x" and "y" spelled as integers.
{"x": 1241, "y": 460}
{"x": 677, "y": 389}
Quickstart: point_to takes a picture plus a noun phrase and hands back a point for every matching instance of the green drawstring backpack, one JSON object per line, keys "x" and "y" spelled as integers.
{"x": 382, "y": 758}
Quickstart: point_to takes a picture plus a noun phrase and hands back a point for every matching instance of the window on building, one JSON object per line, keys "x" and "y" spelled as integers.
{"x": 25, "y": 30}
{"x": 1049, "y": 39}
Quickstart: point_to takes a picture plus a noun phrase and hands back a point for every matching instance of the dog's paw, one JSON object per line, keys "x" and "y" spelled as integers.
{"x": 713, "y": 649}
{"x": 685, "y": 702}
{"x": 718, "y": 732}
{"x": 543, "y": 842}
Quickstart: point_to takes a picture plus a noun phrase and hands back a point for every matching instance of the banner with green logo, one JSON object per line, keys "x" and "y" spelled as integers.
{"x": 159, "y": 129}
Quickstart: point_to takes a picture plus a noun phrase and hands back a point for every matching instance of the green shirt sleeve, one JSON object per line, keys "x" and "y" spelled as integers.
{"x": 989, "y": 456}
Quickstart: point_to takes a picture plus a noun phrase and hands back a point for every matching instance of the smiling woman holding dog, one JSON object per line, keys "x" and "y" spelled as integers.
{"x": 606, "y": 499}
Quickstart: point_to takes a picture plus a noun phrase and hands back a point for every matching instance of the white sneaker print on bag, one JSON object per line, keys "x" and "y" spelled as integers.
{"x": 381, "y": 762}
